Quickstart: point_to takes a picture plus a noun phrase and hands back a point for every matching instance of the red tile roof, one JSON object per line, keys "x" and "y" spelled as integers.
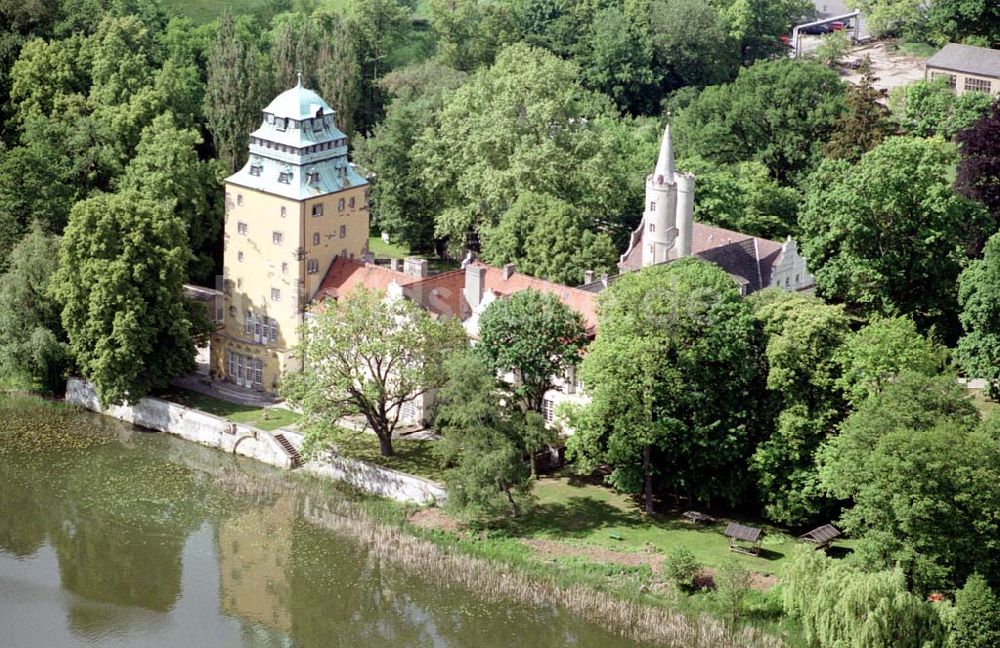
{"x": 443, "y": 294}
{"x": 346, "y": 274}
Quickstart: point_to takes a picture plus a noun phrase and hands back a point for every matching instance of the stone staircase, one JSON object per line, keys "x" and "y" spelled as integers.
{"x": 289, "y": 448}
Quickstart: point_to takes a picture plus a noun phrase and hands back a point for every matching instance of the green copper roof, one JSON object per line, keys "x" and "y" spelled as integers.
{"x": 298, "y": 103}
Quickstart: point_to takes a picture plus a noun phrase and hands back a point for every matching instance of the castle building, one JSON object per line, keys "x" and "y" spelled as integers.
{"x": 296, "y": 205}
{"x": 668, "y": 232}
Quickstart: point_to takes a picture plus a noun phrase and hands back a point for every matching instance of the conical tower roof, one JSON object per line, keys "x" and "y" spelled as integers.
{"x": 664, "y": 171}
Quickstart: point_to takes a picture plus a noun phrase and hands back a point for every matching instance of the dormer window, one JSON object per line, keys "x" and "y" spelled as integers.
{"x": 312, "y": 178}
{"x": 280, "y": 123}
{"x": 285, "y": 177}
{"x": 256, "y": 167}
{"x": 318, "y": 124}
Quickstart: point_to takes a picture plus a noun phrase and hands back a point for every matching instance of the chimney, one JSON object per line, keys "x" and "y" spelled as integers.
{"x": 588, "y": 277}
{"x": 475, "y": 282}
{"x": 470, "y": 256}
{"x": 415, "y": 267}
{"x": 396, "y": 265}
{"x": 604, "y": 279}
{"x": 368, "y": 257}
{"x": 508, "y": 270}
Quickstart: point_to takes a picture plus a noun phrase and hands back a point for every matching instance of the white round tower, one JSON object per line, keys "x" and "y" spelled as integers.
{"x": 685, "y": 214}
{"x": 660, "y": 217}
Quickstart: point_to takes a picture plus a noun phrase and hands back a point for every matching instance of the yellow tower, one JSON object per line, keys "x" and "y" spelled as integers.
{"x": 296, "y": 205}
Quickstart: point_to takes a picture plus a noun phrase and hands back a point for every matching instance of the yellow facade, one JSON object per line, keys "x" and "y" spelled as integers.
{"x": 277, "y": 251}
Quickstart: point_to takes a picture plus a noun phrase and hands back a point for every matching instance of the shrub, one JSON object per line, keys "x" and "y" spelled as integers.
{"x": 682, "y": 568}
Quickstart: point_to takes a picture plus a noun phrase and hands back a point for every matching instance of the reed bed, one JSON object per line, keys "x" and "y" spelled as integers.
{"x": 498, "y": 582}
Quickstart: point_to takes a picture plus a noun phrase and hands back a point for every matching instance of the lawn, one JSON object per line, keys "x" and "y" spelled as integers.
{"x": 413, "y": 457}
{"x": 590, "y": 514}
{"x": 383, "y": 250}
{"x": 919, "y": 50}
{"x": 258, "y": 417}
{"x": 982, "y": 403}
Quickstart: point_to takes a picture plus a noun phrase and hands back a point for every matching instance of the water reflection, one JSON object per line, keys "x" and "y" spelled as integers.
{"x": 145, "y": 540}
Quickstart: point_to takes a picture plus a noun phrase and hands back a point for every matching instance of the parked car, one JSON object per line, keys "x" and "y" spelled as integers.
{"x": 815, "y": 29}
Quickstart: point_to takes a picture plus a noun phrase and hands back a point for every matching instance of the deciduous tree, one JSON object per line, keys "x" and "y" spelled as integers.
{"x": 33, "y": 349}
{"x": 535, "y": 337}
{"x": 802, "y": 336}
{"x": 976, "y": 623}
{"x": 978, "y": 350}
{"x": 923, "y": 479}
{"x": 122, "y": 267}
{"x": 978, "y": 175}
{"x": 668, "y": 377}
{"x": 889, "y": 234}
{"x": 490, "y": 477}
{"x": 368, "y": 354}
{"x": 882, "y": 350}
{"x": 779, "y": 113}
{"x": 548, "y": 238}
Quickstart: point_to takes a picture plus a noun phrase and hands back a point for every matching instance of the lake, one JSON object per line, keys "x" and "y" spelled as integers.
{"x": 112, "y": 536}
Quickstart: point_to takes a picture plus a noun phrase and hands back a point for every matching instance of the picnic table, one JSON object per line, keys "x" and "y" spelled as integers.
{"x": 696, "y": 516}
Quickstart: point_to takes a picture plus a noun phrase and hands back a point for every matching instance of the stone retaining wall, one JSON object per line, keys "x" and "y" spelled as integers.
{"x": 213, "y": 431}
{"x": 378, "y": 480}
{"x": 193, "y": 425}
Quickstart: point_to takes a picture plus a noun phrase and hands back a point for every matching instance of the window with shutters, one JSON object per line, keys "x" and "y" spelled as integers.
{"x": 276, "y": 294}
{"x": 316, "y": 238}
{"x": 343, "y": 231}
{"x": 241, "y": 228}
{"x": 277, "y": 238}
{"x": 312, "y": 266}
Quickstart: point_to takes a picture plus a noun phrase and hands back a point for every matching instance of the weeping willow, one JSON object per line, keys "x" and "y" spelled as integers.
{"x": 842, "y": 607}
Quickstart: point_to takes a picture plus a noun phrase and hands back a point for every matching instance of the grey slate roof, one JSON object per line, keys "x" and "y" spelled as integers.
{"x": 966, "y": 58}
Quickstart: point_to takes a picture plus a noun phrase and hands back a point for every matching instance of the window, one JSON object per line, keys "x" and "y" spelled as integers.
{"x": 316, "y": 238}
{"x": 977, "y": 85}
{"x": 652, "y": 227}
{"x": 343, "y": 231}
{"x": 258, "y": 371}
{"x": 248, "y": 323}
{"x": 312, "y": 266}
{"x": 239, "y": 199}
{"x": 548, "y": 409}
{"x": 239, "y": 282}
{"x": 788, "y": 281}
{"x": 275, "y": 294}
{"x": 255, "y": 167}
{"x": 280, "y": 123}
{"x": 317, "y": 209}
{"x": 652, "y": 206}
{"x": 944, "y": 75}
{"x": 318, "y": 124}
{"x": 796, "y": 280}
{"x": 312, "y": 178}
{"x": 277, "y": 238}
{"x": 350, "y": 203}
{"x": 285, "y": 177}
{"x": 270, "y": 331}
{"x": 284, "y": 211}
{"x": 239, "y": 256}
{"x": 340, "y": 205}
{"x": 241, "y": 228}
{"x": 284, "y": 267}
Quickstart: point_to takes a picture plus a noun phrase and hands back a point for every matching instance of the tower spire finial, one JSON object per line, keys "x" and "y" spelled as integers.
{"x": 299, "y": 74}
{"x": 665, "y": 162}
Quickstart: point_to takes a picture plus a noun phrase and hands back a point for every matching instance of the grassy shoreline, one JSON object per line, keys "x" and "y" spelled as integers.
{"x": 499, "y": 565}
